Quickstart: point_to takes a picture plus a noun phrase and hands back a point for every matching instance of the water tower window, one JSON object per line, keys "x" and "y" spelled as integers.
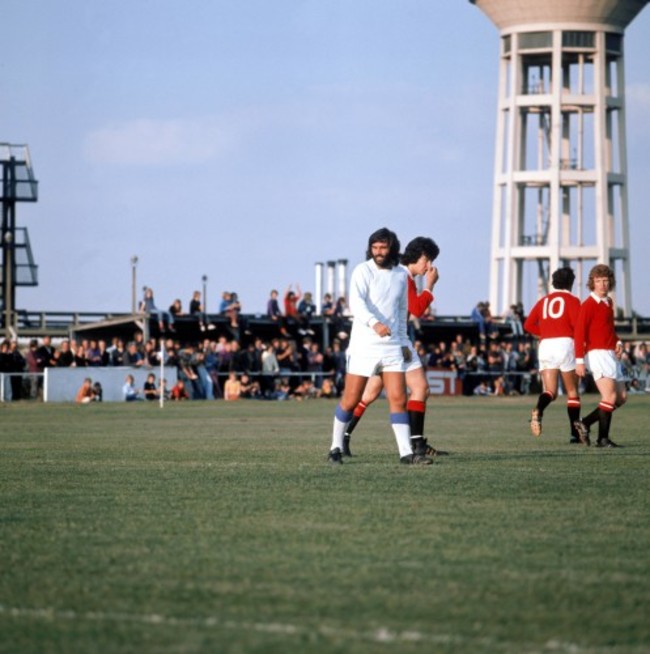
{"x": 535, "y": 40}
{"x": 578, "y": 39}
{"x": 614, "y": 43}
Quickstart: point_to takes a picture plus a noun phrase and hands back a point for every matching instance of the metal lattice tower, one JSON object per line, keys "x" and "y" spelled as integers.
{"x": 560, "y": 186}
{"x": 18, "y": 268}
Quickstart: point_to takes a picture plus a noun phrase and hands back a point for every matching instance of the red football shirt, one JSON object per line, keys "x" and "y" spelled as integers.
{"x": 595, "y": 328}
{"x": 553, "y": 316}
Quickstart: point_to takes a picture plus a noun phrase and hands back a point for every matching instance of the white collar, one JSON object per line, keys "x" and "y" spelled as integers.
{"x": 599, "y": 299}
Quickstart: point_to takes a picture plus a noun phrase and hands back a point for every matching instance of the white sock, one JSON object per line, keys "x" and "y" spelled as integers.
{"x": 338, "y": 431}
{"x": 403, "y": 437}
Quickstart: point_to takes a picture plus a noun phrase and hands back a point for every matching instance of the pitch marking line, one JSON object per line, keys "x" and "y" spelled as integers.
{"x": 381, "y": 635}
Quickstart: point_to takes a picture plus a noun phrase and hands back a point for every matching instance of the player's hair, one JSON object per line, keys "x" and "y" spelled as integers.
{"x": 563, "y": 278}
{"x": 420, "y": 245}
{"x": 384, "y": 235}
{"x": 601, "y": 270}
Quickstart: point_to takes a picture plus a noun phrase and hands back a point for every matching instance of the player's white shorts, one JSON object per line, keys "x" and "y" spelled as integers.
{"x": 557, "y": 354}
{"x": 366, "y": 366}
{"x": 603, "y": 363}
{"x": 415, "y": 361}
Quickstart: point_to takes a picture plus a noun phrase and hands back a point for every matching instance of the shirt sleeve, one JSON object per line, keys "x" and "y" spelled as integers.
{"x": 580, "y": 332}
{"x": 531, "y": 324}
{"x": 359, "y": 304}
{"x": 418, "y": 304}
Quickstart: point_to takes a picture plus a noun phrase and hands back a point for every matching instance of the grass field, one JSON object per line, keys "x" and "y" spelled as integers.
{"x": 219, "y": 527}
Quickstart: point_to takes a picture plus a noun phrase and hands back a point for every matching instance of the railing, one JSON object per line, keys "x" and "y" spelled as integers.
{"x": 63, "y": 323}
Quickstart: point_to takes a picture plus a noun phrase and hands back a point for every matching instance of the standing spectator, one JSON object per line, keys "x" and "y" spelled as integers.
{"x": 80, "y": 360}
{"x": 104, "y": 354}
{"x": 45, "y": 357}
{"x": 642, "y": 358}
{"x": 270, "y": 370}
{"x": 5, "y": 368}
{"x": 63, "y": 356}
{"x": 274, "y": 313}
{"x": 45, "y": 354}
{"x": 93, "y": 355}
{"x": 117, "y": 356}
{"x": 133, "y": 357}
{"x": 553, "y": 320}
{"x": 33, "y": 368}
{"x": 315, "y": 364}
{"x": 291, "y": 299}
{"x": 188, "y": 374}
{"x": 599, "y": 350}
{"x": 273, "y": 307}
{"x": 17, "y": 367}
{"x": 341, "y": 316}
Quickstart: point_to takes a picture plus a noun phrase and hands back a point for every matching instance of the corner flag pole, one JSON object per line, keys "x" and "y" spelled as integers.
{"x": 162, "y": 373}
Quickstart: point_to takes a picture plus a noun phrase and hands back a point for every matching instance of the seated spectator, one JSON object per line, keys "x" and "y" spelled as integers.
{"x": 176, "y": 308}
{"x": 149, "y": 388}
{"x": 327, "y": 388}
{"x": 249, "y": 389}
{"x": 482, "y": 388}
{"x": 198, "y": 312}
{"x": 85, "y": 394}
{"x": 179, "y": 392}
{"x": 482, "y": 316}
{"x": 513, "y": 319}
{"x": 129, "y": 391}
{"x": 306, "y": 309}
{"x": 327, "y": 308}
{"x": 232, "y": 388}
{"x": 148, "y": 306}
{"x": 231, "y": 308}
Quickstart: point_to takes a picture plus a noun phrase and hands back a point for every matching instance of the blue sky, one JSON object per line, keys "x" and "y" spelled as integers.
{"x": 247, "y": 140}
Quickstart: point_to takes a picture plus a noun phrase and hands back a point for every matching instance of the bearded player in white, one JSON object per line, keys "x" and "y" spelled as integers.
{"x": 378, "y": 342}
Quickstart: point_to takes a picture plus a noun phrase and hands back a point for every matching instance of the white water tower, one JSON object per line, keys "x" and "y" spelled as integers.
{"x": 560, "y": 182}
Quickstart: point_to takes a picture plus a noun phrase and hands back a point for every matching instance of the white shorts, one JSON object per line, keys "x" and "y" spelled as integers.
{"x": 557, "y": 354}
{"x": 415, "y": 361}
{"x": 603, "y": 363}
{"x": 365, "y": 366}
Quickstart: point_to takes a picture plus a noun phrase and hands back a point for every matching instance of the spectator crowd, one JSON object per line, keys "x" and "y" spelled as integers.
{"x": 293, "y": 364}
